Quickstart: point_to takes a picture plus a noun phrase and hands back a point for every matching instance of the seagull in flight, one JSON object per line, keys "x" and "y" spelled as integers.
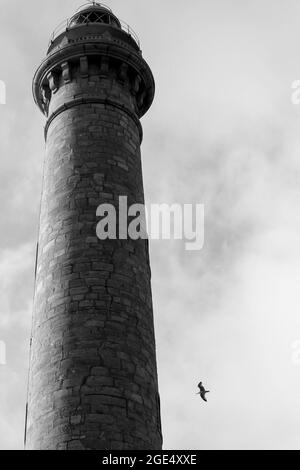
{"x": 202, "y": 392}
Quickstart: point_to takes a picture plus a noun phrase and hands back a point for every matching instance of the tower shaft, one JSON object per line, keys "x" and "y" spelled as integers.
{"x": 93, "y": 377}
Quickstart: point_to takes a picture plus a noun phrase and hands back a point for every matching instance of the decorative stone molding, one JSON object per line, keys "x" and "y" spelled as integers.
{"x": 128, "y": 67}
{"x": 140, "y": 99}
{"x": 123, "y": 72}
{"x": 136, "y": 84}
{"x": 53, "y": 81}
{"x": 66, "y": 73}
{"x": 104, "y": 66}
{"x": 46, "y": 94}
{"x": 84, "y": 67}
{"x": 93, "y": 100}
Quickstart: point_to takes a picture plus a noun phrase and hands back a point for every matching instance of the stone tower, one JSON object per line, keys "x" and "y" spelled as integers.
{"x": 93, "y": 377}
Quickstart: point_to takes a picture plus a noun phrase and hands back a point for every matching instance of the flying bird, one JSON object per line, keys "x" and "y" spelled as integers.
{"x": 202, "y": 392}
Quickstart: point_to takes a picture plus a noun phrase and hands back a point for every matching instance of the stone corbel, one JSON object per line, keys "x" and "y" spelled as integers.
{"x": 123, "y": 72}
{"x": 136, "y": 84}
{"x": 66, "y": 73}
{"x": 46, "y": 94}
{"x": 141, "y": 98}
{"x": 104, "y": 66}
{"x": 53, "y": 81}
{"x": 84, "y": 67}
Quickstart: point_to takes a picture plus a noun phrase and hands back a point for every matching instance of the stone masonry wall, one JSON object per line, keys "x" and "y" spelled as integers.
{"x": 93, "y": 378}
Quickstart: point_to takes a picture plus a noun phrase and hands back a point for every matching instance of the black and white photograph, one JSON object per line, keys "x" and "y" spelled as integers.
{"x": 149, "y": 228}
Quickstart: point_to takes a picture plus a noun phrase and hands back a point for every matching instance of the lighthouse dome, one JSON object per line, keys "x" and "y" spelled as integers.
{"x": 94, "y": 13}
{"x": 91, "y": 18}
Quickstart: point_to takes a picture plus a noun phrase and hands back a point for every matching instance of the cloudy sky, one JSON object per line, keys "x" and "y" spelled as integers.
{"x": 222, "y": 132}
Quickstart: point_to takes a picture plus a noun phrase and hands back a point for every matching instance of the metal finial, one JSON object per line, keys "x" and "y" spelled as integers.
{"x": 95, "y": 4}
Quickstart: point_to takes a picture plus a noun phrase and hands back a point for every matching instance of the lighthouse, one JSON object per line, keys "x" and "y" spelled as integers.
{"x": 93, "y": 377}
